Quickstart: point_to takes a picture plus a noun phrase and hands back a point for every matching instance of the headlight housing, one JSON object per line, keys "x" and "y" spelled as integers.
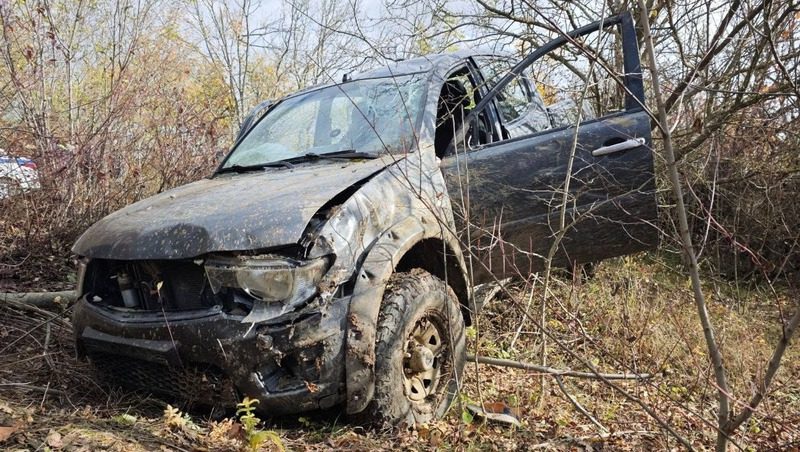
{"x": 278, "y": 282}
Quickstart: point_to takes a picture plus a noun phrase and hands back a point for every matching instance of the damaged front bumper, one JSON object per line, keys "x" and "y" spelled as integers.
{"x": 291, "y": 364}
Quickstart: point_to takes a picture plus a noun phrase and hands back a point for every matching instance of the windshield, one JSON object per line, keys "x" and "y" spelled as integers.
{"x": 370, "y": 116}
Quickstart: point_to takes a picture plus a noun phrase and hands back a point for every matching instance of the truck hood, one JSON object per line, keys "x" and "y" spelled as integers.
{"x": 227, "y": 213}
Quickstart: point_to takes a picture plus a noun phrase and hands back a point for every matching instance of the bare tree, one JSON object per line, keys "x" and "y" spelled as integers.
{"x": 226, "y": 30}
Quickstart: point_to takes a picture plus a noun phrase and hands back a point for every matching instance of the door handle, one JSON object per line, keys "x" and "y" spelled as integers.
{"x": 618, "y": 147}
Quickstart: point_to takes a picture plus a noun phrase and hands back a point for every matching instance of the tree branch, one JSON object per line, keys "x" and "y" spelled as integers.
{"x": 555, "y": 372}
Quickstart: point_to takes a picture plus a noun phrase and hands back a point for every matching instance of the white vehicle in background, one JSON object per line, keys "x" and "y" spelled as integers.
{"x": 17, "y": 175}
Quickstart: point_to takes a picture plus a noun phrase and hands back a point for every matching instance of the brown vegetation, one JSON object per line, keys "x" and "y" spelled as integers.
{"x": 117, "y": 101}
{"x": 635, "y": 315}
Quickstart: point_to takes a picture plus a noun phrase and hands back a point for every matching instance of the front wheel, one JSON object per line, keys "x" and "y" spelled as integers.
{"x": 420, "y": 350}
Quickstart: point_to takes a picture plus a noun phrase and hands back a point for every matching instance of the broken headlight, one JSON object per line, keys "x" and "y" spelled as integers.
{"x": 278, "y": 282}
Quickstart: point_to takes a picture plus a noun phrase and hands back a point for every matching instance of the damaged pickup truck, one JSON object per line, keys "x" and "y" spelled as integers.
{"x": 330, "y": 259}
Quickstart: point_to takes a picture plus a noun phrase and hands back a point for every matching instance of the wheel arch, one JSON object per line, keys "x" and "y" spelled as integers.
{"x": 435, "y": 256}
{"x": 411, "y": 243}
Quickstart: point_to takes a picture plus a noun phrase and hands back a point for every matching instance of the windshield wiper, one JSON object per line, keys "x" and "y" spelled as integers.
{"x": 346, "y": 154}
{"x": 248, "y": 168}
{"x": 282, "y": 163}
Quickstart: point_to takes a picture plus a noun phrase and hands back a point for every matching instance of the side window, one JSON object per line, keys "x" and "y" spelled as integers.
{"x": 581, "y": 80}
{"x": 513, "y": 100}
{"x": 520, "y": 106}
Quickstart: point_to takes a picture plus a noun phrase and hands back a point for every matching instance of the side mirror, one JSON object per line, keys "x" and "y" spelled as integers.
{"x": 252, "y": 118}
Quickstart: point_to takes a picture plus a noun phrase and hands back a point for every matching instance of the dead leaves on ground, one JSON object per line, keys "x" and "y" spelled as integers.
{"x": 6, "y": 432}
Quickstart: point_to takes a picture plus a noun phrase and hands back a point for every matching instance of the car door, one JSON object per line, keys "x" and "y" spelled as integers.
{"x": 573, "y": 183}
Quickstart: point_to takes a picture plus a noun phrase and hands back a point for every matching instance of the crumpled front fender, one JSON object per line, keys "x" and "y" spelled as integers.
{"x": 370, "y": 285}
{"x": 369, "y": 233}
{"x": 362, "y": 317}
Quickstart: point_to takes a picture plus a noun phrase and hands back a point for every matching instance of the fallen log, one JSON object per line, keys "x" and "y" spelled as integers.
{"x": 51, "y": 301}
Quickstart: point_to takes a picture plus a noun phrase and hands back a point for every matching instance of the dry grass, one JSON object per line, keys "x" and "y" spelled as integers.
{"x": 636, "y": 314}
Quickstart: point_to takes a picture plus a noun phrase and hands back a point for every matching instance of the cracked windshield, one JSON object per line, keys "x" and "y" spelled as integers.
{"x": 370, "y": 116}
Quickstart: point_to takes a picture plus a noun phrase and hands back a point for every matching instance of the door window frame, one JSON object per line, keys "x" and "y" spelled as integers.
{"x": 522, "y": 81}
{"x": 631, "y": 79}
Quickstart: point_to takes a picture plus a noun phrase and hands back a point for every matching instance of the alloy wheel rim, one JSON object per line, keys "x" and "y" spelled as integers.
{"x": 425, "y": 358}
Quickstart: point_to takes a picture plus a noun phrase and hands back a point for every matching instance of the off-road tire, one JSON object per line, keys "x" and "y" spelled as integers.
{"x": 415, "y": 301}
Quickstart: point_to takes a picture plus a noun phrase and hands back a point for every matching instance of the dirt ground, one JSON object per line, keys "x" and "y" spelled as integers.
{"x": 634, "y": 315}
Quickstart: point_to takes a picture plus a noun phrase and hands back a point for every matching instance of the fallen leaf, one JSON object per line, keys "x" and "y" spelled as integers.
{"x": 502, "y": 418}
{"x": 124, "y": 419}
{"x": 6, "y": 432}
{"x": 235, "y": 431}
{"x": 435, "y": 437}
{"x": 54, "y": 440}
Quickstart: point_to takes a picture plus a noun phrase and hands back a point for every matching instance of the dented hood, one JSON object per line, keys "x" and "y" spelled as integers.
{"x": 227, "y": 213}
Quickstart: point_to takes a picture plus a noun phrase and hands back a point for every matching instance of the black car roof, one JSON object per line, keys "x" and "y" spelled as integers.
{"x": 438, "y": 63}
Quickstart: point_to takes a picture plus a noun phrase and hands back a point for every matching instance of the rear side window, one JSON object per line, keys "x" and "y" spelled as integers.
{"x": 513, "y": 100}
{"x": 521, "y": 108}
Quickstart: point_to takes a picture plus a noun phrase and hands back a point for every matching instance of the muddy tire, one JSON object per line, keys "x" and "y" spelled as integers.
{"x": 419, "y": 353}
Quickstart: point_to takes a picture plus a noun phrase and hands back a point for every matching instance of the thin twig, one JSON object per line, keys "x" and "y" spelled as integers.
{"x": 569, "y": 440}
{"x": 578, "y": 406}
{"x": 29, "y": 387}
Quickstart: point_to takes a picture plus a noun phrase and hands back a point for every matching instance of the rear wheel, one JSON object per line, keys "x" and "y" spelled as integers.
{"x": 420, "y": 350}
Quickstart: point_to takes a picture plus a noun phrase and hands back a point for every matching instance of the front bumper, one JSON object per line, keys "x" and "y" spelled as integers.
{"x": 291, "y": 364}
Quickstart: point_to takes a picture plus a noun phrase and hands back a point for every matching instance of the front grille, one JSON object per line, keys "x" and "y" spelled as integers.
{"x": 154, "y": 285}
{"x": 196, "y": 385}
{"x": 186, "y": 283}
